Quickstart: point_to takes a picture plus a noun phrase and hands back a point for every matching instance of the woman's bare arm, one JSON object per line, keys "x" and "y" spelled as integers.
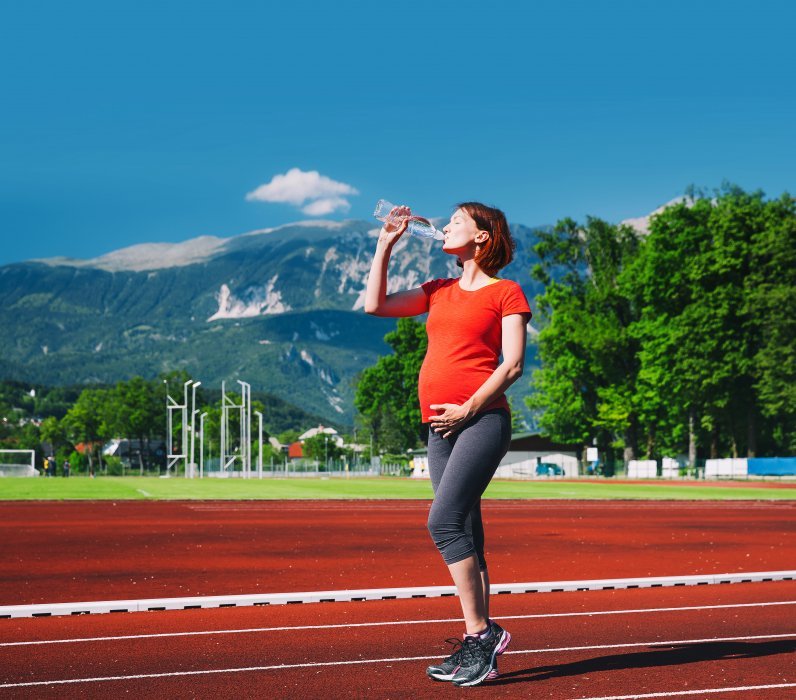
{"x": 411, "y": 302}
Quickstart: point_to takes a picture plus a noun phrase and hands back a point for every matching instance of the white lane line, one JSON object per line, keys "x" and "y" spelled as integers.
{"x": 144, "y": 493}
{"x": 356, "y": 662}
{"x": 703, "y": 691}
{"x": 388, "y": 623}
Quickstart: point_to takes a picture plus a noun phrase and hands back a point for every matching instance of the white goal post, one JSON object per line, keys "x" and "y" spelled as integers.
{"x": 18, "y": 463}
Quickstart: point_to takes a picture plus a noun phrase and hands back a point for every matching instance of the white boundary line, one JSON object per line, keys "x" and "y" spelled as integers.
{"x": 390, "y": 623}
{"x": 356, "y": 662}
{"x": 148, "y": 604}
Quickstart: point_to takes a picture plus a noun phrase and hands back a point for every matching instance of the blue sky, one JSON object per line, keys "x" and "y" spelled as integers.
{"x": 133, "y": 122}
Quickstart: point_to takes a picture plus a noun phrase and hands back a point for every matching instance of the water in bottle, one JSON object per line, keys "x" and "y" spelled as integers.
{"x": 417, "y": 227}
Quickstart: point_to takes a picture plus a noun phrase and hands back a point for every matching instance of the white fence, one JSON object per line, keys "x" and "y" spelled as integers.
{"x": 726, "y": 468}
{"x": 670, "y": 468}
{"x": 642, "y": 469}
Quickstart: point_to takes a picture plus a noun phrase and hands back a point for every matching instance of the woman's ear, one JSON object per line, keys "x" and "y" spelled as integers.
{"x": 481, "y": 237}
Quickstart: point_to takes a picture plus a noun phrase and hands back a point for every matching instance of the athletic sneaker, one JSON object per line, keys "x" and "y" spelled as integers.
{"x": 501, "y": 634}
{"x": 446, "y": 669}
{"x": 477, "y": 662}
{"x": 506, "y": 638}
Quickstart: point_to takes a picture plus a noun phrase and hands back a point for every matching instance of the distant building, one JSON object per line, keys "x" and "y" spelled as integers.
{"x": 527, "y": 451}
{"x": 321, "y": 430}
{"x": 278, "y": 446}
{"x": 531, "y": 454}
{"x": 295, "y": 451}
{"x": 152, "y": 452}
{"x": 533, "y": 442}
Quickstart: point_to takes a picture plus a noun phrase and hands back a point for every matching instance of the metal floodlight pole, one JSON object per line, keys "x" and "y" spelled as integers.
{"x": 259, "y": 445}
{"x": 168, "y": 420}
{"x": 223, "y": 462}
{"x": 185, "y": 425}
{"x": 202, "y": 445}
{"x": 242, "y": 429}
{"x": 249, "y": 426}
{"x": 194, "y": 411}
{"x": 245, "y": 428}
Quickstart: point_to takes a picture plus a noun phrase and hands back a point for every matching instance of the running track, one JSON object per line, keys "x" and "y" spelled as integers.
{"x": 653, "y": 642}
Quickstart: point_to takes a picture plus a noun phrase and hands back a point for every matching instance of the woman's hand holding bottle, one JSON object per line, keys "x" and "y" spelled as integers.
{"x": 395, "y": 224}
{"x": 401, "y": 218}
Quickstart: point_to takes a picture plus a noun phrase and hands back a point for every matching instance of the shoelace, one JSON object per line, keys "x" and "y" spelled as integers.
{"x": 457, "y": 649}
{"x": 472, "y": 650}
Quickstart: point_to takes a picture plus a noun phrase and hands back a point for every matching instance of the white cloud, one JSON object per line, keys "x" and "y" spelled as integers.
{"x": 316, "y": 194}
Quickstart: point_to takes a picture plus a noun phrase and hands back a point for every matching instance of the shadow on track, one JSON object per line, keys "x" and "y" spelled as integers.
{"x": 657, "y": 656}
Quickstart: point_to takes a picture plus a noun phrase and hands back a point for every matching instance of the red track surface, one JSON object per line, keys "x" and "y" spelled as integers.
{"x": 674, "y": 651}
{"x": 78, "y": 551}
{"x": 59, "y": 552}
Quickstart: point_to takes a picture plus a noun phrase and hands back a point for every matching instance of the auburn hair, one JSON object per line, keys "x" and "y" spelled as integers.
{"x": 498, "y": 250}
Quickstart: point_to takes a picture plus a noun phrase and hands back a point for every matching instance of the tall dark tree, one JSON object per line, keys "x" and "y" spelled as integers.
{"x": 89, "y": 422}
{"x": 386, "y": 394}
{"x": 586, "y": 386}
{"x": 770, "y": 305}
{"x": 137, "y": 412}
{"x": 684, "y": 339}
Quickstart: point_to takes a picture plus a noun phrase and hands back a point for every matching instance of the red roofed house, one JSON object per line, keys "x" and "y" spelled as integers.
{"x": 295, "y": 451}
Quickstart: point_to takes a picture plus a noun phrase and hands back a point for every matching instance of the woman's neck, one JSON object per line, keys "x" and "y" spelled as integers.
{"x": 473, "y": 277}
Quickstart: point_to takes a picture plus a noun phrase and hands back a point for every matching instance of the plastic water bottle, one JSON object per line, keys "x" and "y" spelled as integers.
{"x": 417, "y": 227}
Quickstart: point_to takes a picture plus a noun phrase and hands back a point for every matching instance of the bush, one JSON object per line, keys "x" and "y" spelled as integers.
{"x": 78, "y": 462}
{"x": 113, "y": 466}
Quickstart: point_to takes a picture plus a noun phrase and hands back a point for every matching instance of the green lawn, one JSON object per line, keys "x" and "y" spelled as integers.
{"x": 126, "y": 488}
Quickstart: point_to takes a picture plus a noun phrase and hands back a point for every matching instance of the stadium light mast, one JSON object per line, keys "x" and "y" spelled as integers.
{"x": 260, "y": 445}
{"x": 192, "y": 464}
{"x": 202, "y": 445}
{"x": 245, "y": 428}
{"x": 185, "y": 425}
{"x": 222, "y": 464}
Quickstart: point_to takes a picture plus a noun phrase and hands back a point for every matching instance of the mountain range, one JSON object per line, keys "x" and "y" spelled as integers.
{"x": 280, "y": 308}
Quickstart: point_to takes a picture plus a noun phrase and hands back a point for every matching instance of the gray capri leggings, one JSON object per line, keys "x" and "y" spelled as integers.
{"x": 461, "y": 467}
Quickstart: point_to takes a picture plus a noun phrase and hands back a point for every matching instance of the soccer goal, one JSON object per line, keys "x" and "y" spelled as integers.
{"x": 18, "y": 463}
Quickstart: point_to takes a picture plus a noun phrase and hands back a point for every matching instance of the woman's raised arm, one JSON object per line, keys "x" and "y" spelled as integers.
{"x": 411, "y": 302}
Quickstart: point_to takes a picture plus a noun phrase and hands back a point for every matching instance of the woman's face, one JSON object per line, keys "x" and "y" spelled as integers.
{"x": 461, "y": 233}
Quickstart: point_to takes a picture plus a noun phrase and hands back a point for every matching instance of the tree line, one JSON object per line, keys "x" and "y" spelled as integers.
{"x": 75, "y": 423}
{"x": 679, "y": 340}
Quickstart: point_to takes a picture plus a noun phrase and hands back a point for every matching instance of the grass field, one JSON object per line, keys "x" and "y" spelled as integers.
{"x": 128, "y": 488}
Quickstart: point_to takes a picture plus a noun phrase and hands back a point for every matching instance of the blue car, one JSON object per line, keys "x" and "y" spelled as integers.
{"x": 548, "y": 469}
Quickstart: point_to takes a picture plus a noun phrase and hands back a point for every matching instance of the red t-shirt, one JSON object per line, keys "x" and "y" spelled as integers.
{"x": 465, "y": 334}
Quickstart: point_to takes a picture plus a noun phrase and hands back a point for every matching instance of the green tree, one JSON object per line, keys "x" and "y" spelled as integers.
{"x": 586, "y": 385}
{"x": 705, "y": 281}
{"x": 287, "y": 437}
{"x": 322, "y": 448}
{"x": 662, "y": 283}
{"x": 770, "y": 306}
{"x": 89, "y": 422}
{"x": 136, "y": 410}
{"x": 53, "y": 431}
{"x": 386, "y": 394}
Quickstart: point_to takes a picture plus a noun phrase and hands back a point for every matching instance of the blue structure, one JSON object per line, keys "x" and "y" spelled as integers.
{"x": 771, "y": 466}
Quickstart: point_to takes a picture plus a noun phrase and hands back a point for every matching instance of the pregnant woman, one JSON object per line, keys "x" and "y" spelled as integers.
{"x": 476, "y": 349}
